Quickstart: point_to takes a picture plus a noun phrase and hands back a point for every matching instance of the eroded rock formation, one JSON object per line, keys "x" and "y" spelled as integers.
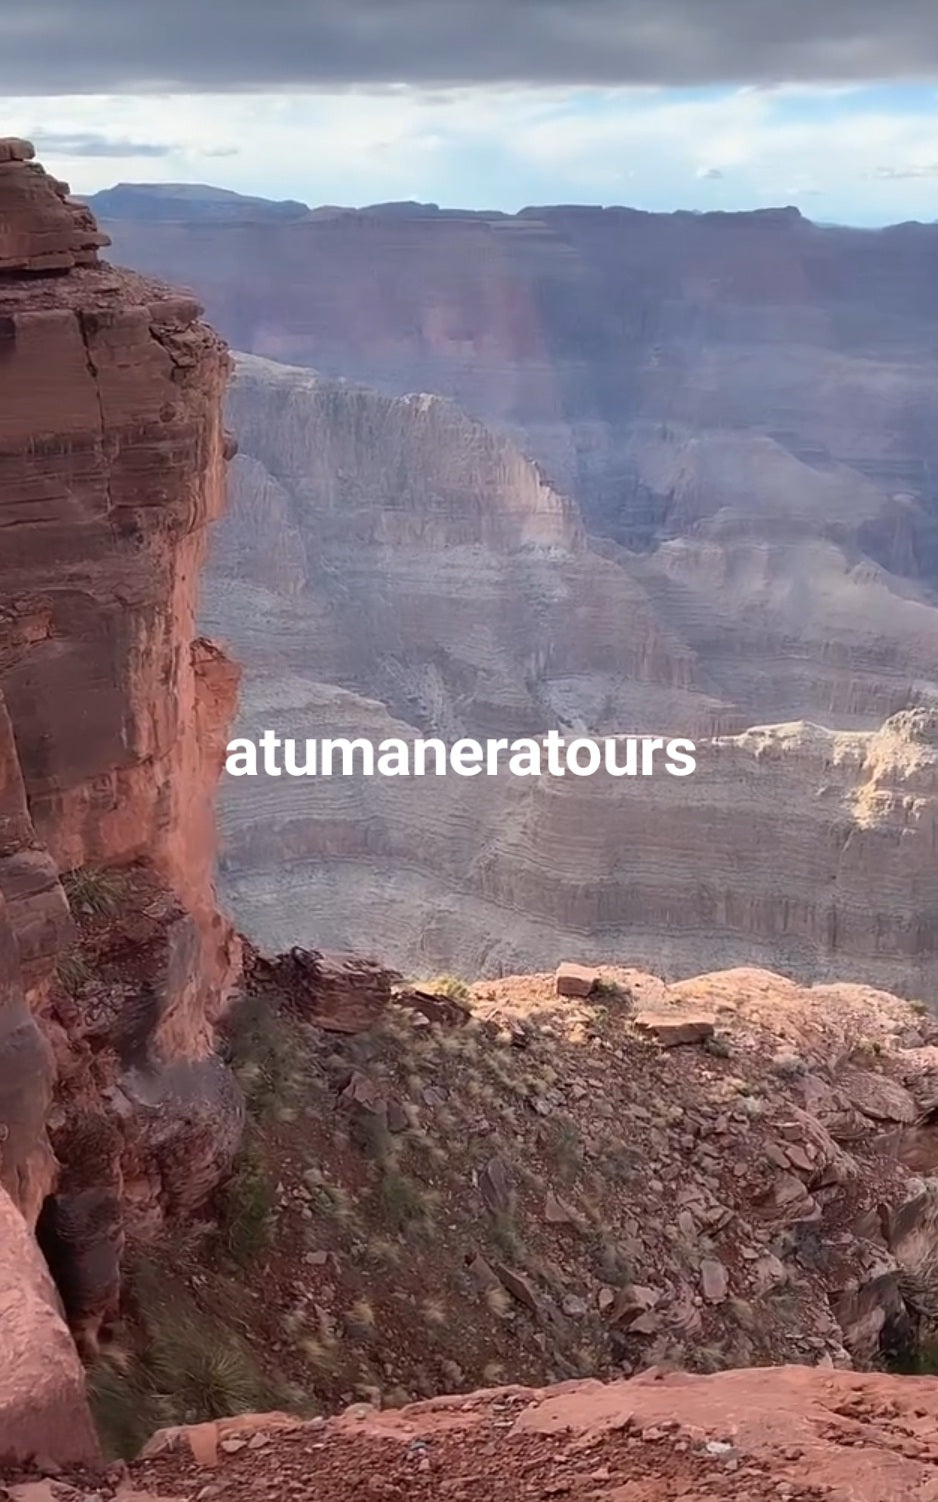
{"x": 390, "y": 568}
{"x": 113, "y": 720}
{"x": 745, "y": 400}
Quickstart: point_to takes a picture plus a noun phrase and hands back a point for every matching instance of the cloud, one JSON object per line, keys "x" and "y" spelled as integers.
{"x": 62, "y": 47}
{"x": 902, "y": 174}
{"x": 94, "y": 144}
{"x": 857, "y": 156}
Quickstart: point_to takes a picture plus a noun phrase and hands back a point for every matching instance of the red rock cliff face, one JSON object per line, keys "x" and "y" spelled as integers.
{"x": 113, "y": 719}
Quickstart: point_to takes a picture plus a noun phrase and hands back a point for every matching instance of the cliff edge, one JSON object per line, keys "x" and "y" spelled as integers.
{"x": 114, "y": 1109}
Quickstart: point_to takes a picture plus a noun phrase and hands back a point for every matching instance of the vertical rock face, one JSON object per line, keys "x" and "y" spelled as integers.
{"x": 42, "y": 1405}
{"x": 113, "y": 719}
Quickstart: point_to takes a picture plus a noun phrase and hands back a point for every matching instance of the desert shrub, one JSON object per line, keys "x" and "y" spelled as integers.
{"x": 247, "y": 1205}
{"x": 610, "y": 991}
{"x": 262, "y": 1047}
{"x": 403, "y": 1201}
{"x": 446, "y": 985}
{"x": 74, "y": 970}
{"x": 187, "y": 1366}
{"x": 93, "y": 891}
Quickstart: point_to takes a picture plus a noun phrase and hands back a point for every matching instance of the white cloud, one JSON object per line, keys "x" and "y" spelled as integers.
{"x": 851, "y": 154}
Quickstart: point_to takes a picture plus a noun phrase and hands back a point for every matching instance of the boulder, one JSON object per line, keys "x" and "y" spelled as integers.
{"x": 575, "y": 980}
{"x": 671, "y": 1028}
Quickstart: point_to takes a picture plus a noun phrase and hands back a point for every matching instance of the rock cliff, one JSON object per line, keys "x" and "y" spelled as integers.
{"x": 113, "y": 718}
{"x": 746, "y": 400}
{"x": 391, "y": 567}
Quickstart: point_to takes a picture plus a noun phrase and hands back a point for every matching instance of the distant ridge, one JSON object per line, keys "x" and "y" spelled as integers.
{"x": 162, "y": 201}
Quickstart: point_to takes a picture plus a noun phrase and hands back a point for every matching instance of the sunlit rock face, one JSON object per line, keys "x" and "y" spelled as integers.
{"x": 114, "y": 712}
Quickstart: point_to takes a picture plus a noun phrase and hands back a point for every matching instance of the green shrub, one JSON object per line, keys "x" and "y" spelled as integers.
{"x": 247, "y": 1206}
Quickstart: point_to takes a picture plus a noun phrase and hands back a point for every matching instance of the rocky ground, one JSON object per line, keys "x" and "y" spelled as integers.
{"x": 782, "y": 1435}
{"x": 439, "y": 1193}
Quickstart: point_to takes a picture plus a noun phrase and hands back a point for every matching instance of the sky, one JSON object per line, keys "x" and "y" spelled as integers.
{"x": 831, "y": 105}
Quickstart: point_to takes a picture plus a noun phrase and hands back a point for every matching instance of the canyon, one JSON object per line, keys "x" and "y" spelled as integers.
{"x": 234, "y": 1180}
{"x": 389, "y": 567}
{"x": 673, "y": 474}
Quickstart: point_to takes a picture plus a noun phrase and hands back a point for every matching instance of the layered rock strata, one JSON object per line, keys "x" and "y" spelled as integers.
{"x": 113, "y": 719}
{"x": 392, "y": 568}
{"x": 746, "y": 401}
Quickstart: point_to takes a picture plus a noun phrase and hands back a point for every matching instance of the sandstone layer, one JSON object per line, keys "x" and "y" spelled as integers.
{"x": 744, "y": 401}
{"x": 389, "y": 567}
{"x": 113, "y": 719}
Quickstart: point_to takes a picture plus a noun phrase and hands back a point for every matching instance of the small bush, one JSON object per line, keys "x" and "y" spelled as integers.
{"x": 74, "y": 970}
{"x": 370, "y": 1134}
{"x": 334, "y": 1202}
{"x": 611, "y": 992}
{"x": 446, "y": 985}
{"x": 247, "y": 1206}
{"x": 210, "y": 1374}
{"x": 403, "y": 1200}
{"x": 189, "y": 1367}
{"x": 789, "y": 1065}
{"x": 264, "y": 1052}
{"x": 718, "y": 1047}
{"x": 505, "y": 1236}
{"x": 360, "y": 1320}
{"x": 94, "y": 892}
{"x": 562, "y": 1140}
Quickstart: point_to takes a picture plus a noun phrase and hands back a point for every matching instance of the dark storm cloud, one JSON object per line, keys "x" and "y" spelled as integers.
{"x": 92, "y": 46}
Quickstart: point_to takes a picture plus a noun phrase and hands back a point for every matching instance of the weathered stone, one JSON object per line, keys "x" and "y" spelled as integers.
{"x": 341, "y": 993}
{"x": 631, "y": 1300}
{"x": 494, "y": 1186}
{"x": 877, "y": 1096}
{"x": 713, "y": 1280}
{"x": 518, "y": 1285}
{"x": 113, "y": 724}
{"x": 557, "y": 1212}
{"x": 13, "y": 149}
{"x": 40, "y": 231}
{"x": 673, "y": 1029}
{"x": 575, "y": 980}
{"x": 43, "y": 1408}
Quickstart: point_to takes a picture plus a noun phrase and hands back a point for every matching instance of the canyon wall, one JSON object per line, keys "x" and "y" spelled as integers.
{"x": 389, "y": 567}
{"x": 745, "y": 401}
{"x": 113, "y": 718}
{"x": 738, "y": 410}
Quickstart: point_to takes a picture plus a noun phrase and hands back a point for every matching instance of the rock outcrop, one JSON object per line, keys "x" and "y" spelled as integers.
{"x": 43, "y": 1412}
{"x": 113, "y": 720}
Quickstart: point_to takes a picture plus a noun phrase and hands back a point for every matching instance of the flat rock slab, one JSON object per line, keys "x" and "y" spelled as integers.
{"x": 672, "y": 1028}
